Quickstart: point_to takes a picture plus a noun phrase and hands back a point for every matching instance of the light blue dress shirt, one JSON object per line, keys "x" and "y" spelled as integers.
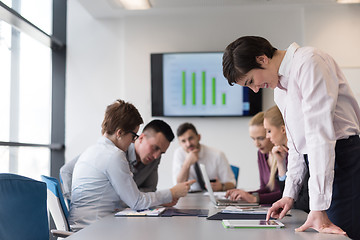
{"x": 103, "y": 183}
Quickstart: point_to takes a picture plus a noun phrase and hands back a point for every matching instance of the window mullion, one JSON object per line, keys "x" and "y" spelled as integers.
{"x": 14, "y": 94}
{"x": 13, "y": 18}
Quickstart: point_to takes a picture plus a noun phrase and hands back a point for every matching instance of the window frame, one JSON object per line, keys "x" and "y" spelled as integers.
{"x": 57, "y": 43}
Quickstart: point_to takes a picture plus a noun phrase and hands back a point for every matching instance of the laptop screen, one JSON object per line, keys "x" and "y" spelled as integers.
{"x": 207, "y": 183}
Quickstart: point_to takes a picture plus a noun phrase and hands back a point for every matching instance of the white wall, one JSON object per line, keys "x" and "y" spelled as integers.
{"x": 109, "y": 59}
{"x": 336, "y": 30}
{"x": 94, "y": 68}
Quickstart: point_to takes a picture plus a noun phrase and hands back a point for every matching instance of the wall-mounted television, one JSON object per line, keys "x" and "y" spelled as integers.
{"x": 191, "y": 84}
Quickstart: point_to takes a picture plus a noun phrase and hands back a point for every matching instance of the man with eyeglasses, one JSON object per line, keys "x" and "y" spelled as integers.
{"x": 143, "y": 156}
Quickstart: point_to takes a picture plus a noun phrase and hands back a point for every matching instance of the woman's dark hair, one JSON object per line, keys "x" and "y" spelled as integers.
{"x": 120, "y": 115}
{"x": 240, "y": 56}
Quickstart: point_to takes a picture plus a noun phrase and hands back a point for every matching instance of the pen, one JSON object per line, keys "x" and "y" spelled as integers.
{"x": 141, "y": 210}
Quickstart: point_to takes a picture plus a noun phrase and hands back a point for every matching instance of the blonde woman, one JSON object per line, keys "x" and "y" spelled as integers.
{"x": 269, "y": 191}
{"x": 275, "y": 131}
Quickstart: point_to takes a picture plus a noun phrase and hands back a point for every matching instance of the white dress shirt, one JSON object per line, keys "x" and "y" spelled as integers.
{"x": 216, "y": 164}
{"x": 319, "y": 108}
{"x": 103, "y": 183}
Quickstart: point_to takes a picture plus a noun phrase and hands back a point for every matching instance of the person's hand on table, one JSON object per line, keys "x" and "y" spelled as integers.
{"x": 319, "y": 221}
{"x": 237, "y": 194}
{"x": 172, "y": 203}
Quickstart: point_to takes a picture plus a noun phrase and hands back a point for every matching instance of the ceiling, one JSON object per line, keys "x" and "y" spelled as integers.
{"x": 114, "y": 9}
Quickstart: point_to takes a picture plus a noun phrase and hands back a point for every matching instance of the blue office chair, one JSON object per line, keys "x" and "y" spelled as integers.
{"x": 57, "y": 207}
{"x": 236, "y": 171}
{"x": 23, "y": 213}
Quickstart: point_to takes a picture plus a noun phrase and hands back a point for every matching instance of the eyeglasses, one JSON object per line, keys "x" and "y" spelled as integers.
{"x": 135, "y": 136}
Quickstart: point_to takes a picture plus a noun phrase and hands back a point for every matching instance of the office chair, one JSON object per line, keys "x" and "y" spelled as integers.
{"x": 57, "y": 207}
{"x": 236, "y": 171}
{"x": 23, "y": 213}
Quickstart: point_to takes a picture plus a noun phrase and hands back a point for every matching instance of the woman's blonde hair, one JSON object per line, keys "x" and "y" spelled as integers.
{"x": 257, "y": 120}
{"x": 274, "y": 117}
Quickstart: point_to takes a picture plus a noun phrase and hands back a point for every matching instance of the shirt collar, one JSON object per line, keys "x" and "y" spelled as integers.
{"x": 131, "y": 155}
{"x": 201, "y": 152}
{"x": 285, "y": 66}
{"x": 105, "y": 140}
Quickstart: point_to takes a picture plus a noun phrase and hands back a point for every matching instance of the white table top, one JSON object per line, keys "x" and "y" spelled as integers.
{"x": 192, "y": 228}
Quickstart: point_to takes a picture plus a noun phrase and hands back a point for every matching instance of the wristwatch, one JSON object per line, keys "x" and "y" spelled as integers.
{"x": 255, "y": 194}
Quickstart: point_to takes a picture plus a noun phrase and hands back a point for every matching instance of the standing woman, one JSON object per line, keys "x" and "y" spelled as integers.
{"x": 269, "y": 191}
{"x": 322, "y": 122}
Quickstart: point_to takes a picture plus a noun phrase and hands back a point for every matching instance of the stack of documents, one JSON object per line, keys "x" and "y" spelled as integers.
{"x": 245, "y": 210}
{"x": 146, "y": 212}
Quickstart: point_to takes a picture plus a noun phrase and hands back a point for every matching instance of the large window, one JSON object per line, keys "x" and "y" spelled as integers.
{"x": 32, "y": 73}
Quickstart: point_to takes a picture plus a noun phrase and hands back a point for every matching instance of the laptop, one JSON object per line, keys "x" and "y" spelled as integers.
{"x": 217, "y": 201}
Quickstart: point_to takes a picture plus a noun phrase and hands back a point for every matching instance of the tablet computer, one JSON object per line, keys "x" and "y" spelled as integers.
{"x": 252, "y": 224}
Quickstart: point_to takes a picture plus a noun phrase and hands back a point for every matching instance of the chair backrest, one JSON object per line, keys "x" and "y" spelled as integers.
{"x": 56, "y": 203}
{"x": 23, "y": 213}
{"x": 235, "y": 170}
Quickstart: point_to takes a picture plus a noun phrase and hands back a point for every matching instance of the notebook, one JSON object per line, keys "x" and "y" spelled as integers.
{"x": 217, "y": 201}
{"x": 170, "y": 212}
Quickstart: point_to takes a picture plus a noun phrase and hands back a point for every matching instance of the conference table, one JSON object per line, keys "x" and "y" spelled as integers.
{"x": 192, "y": 227}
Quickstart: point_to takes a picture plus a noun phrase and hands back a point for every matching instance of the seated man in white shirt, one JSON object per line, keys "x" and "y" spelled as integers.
{"x": 191, "y": 152}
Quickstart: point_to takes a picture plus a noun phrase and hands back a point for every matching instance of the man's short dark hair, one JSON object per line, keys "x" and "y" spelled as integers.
{"x": 184, "y": 127}
{"x": 240, "y": 56}
{"x": 158, "y": 125}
